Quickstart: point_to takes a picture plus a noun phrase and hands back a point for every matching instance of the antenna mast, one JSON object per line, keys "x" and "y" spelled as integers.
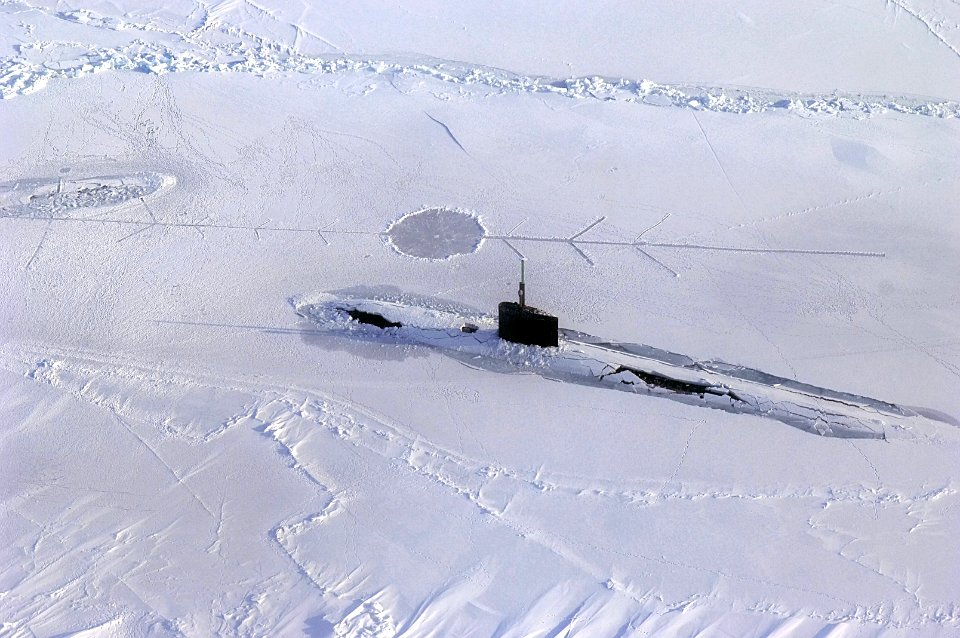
{"x": 522, "y": 291}
{"x": 520, "y": 323}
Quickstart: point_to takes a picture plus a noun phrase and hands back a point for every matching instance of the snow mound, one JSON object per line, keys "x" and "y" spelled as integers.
{"x": 52, "y": 198}
{"x": 586, "y": 360}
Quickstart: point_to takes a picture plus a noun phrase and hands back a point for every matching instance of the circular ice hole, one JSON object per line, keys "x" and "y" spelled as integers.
{"x": 436, "y": 233}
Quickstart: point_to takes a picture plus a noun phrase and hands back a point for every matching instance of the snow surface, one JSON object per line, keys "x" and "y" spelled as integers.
{"x": 181, "y": 454}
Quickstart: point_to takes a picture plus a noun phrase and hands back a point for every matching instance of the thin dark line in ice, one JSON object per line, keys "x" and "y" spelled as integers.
{"x": 789, "y": 251}
{"x": 576, "y": 241}
{"x": 586, "y": 228}
{"x": 137, "y": 231}
{"x": 658, "y": 262}
{"x": 122, "y": 222}
{"x": 517, "y": 225}
{"x": 648, "y": 229}
{"x": 658, "y": 244}
{"x": 36, "y": 250}
{"x": 581, "y": 253}
{"x": 514, "y": 249}
{"x": 716, "y": 158}
{"x": 449, "y": 133}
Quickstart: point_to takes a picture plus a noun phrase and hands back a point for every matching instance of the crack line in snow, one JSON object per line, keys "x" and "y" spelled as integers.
{"x": 464, "y": 244}
{"x": 180, "y": 481}
{"x": 716, "y": 158}
{"x": 36, "y": 250}
{"x": 449, "y": 133}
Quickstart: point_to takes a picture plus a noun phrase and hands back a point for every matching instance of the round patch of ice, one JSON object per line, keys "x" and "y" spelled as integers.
{"x": 436, "y": 233}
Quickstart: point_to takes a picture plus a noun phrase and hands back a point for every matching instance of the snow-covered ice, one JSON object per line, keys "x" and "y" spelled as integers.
{"x": 770, "y": 190}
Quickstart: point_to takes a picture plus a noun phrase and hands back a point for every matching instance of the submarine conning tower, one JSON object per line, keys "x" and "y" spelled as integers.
{"x": 525, "y": 324}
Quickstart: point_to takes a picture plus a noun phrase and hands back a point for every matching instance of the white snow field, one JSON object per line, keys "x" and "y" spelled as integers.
{"x": 184, "y": 451}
